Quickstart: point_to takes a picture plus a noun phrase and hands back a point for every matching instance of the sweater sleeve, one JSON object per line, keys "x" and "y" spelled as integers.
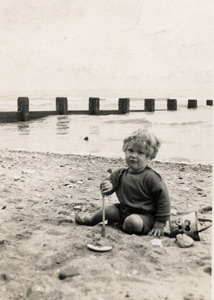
{"x": 114, "y": 179}
{"x": 160, "y": 195}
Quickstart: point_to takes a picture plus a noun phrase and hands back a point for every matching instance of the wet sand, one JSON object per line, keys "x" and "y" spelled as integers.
{"x": 39, "y": 239}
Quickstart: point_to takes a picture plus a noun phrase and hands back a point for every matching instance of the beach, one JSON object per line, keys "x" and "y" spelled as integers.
{"x": 39, "y": 239}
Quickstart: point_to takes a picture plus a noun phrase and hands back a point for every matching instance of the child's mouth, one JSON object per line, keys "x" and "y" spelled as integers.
{"x": 132, "y": 161}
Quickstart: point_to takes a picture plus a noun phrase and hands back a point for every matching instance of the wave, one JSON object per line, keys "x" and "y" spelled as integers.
{"x": 132, "y": 121}
{"x": 183, "y": 123}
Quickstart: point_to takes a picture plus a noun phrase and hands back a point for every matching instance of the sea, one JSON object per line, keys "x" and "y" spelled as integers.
{"x": 186, "y": 134}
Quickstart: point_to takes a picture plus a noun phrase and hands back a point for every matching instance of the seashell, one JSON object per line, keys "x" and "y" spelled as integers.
{"x": 184, "y": 241}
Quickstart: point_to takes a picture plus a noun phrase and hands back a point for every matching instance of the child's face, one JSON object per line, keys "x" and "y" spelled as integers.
{"x": 135, "y": 158}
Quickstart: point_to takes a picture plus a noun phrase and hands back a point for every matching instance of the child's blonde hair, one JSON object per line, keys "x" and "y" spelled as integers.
{"x": 144, "y": 140}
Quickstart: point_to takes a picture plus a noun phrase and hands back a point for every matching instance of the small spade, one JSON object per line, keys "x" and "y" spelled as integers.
{"x": 103, "y": 233}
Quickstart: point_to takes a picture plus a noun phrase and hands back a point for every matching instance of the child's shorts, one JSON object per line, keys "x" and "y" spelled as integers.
{"x": 148, "y": 220}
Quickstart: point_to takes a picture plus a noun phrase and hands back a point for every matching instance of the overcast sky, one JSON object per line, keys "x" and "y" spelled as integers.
{"x": 160, "y": 46}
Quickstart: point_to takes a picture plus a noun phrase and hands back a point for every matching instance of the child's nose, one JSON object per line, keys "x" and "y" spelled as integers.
{"x": 133, "y": 154}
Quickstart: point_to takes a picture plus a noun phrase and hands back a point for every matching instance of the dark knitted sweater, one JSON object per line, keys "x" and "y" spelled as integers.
{"x": 144, "y": 192}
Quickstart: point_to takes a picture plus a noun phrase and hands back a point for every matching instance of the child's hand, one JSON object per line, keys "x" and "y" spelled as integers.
{"x": 106, "y": 187}
{"x": 158, "y": 229}
{"x": 156, "y": 232}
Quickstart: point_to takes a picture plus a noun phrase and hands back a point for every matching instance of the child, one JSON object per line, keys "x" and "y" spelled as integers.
{"x": 144, "y": 205}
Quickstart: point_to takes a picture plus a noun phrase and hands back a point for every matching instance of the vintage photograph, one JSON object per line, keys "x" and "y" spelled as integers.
{"x": 106, "y": 152}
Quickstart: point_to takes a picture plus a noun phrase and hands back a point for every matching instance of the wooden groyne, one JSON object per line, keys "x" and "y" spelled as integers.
{"x": 23, "y": 113}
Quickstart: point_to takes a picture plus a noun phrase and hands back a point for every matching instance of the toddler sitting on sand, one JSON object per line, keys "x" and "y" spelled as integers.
{"x": 144, "y": 205}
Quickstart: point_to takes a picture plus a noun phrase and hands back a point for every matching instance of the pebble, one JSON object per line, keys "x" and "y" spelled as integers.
{"x": 37, "y": 195}
{"x": 184, "y": 241}
{"x": 173, "y": 212}
{"x": 64, "y": 221}
{"x": 4, "y": 277}
{"x": 28, "y": 171}
{"x": 72, "y": 180}
{"x": 208, "y": 270}
{"x": 185, "y": 189}
{"x": 69, "y": 272}
{"x": 195, "y": 168}
{"x": 156, "y": 242}
{"x": 77, "y": 207}
{"x": 80, "y": 182}
{"x": 206, "y": 208}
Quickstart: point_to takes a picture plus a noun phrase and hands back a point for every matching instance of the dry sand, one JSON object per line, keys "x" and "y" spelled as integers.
{"x": 40, "y": 194}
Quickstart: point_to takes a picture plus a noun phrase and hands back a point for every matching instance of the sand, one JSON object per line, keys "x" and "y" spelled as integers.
{"x": 39, "y": 239}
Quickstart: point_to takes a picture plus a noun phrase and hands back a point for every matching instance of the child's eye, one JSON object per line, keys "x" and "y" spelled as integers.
{"x": 130, "y": 150}
{"x": 140, "y": 152}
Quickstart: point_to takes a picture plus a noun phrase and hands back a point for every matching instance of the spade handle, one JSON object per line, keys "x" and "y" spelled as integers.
{"x": 103, "y": 208}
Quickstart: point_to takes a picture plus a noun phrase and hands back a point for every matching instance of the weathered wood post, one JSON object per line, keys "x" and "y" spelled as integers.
{"x": 210, "y": 102}
{"x": 149, "y": 105}
{"x": 171, "y": 104}
{"x": 192, "y": 103}
{"x": 123, "y": 105}
{"x": 62, "y": 105}
{"x": 94, "y": 106}
{"x": 23, "y": 107}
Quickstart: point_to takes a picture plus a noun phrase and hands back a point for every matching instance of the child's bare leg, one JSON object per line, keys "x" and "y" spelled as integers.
{"x": 133, "y": 224}
{"x": 111, "y": 213}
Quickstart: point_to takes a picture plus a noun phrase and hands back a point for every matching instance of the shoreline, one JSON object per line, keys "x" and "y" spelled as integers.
{"x": 208, "y": 166}
{"x": 40, "y": 194}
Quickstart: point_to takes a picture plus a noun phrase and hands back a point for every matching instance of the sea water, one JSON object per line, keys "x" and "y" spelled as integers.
{"x": 186, "y": 134}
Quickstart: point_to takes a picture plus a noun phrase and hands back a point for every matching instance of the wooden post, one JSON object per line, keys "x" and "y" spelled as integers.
{"x": 94, "y": 106}
{"x": 171, "y": 104}
{"x": 210, "y": 102}
{"x": 123, "y": 105}
{"x": 62, "y": 105}
{"x": 192, "y": 103}
{"x": 149, "y": 105}
{"x": 23, "y": 107}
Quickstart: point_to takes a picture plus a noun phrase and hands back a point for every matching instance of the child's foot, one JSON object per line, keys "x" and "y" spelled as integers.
{"x": 83, "y": 219}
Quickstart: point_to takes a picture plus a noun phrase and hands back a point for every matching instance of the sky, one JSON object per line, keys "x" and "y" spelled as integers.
{"x": 156, "y": 47}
